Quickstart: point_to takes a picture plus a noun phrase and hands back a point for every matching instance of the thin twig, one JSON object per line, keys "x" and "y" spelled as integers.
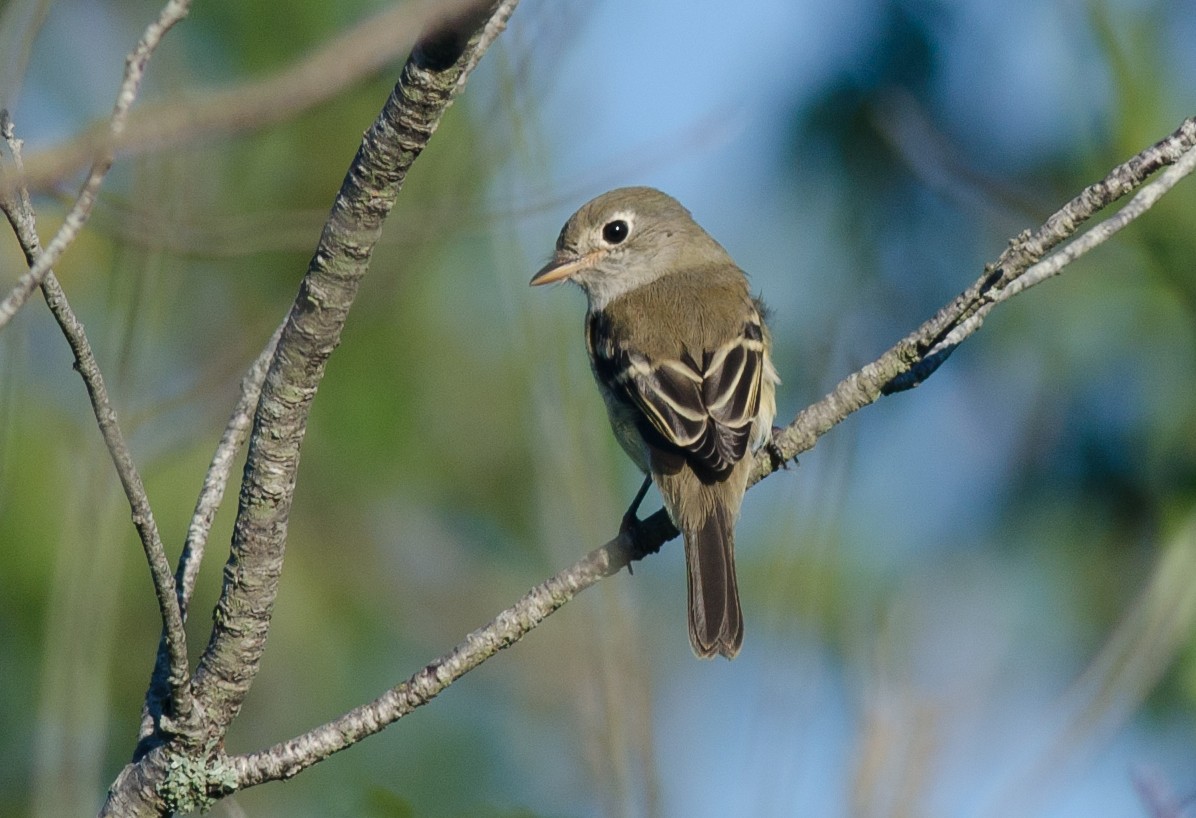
{"x": 135, "y": 64}
{"x": 854, "y": 392}
{"x": 216, "y": 478}
{"x": 347, "y": 58}
{"x": 211, "y": 495}
{"x": 19, "y": 211}
{"x": 225, "y": 673}
{"x": 173, "y": 645}
{"x": 1053, "y": 264}
{"x": 289, "y": 758}
{"x": 1142, "y": 201}
{"x": 916, "y": 356}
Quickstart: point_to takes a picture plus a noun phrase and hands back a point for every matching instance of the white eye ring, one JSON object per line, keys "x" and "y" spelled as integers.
{"x": 614, "y": 232}
{"x": 617, "y": 229}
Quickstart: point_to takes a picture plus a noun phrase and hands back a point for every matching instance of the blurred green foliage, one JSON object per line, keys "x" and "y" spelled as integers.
{"x": 986, "y": 532}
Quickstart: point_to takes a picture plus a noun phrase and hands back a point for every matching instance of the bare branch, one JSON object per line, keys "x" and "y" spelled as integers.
{"x": 916, "y": 356}
{"x": 176, "y": 776}
{"x": 426, "y": 88}
{"x": 210, "y": 498}
{"x": 1142, "y": 201}
{"x": 1053, "y": 264}
{"x": 854, "y": 392}
{"x": 216, "y": 479}
{"x": 135, "y": 64}
{"x": 492, "y": 27}
{"x": 292, "y": 757}
{"x": 357, "y": 53}
{"x": 20, "y": 214}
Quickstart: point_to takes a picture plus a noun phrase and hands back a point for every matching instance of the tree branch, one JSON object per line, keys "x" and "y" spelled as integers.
{"x": 916, "y": 355}
{"x": 360, "y": 51}
{"x": 426, "y": 88}
{"x": 1143, "y": 201}
{"x": 177, "y": 775}
{"x": 19, "y": 211}
{"x": 216, "y": 478}
{"x": 77, "y": 216}
{"x": 289, "y": 758}
{"x": 211, "y": 495}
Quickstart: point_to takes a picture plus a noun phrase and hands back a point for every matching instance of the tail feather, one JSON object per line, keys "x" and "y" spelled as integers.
{"x": 715, "y": 619}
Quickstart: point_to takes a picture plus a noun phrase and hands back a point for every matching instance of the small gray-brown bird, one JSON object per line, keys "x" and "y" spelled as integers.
{"x": 681, "y": 355}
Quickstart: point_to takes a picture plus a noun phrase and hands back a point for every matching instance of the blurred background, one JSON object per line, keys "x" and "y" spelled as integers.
{"x": 975, "y": 598}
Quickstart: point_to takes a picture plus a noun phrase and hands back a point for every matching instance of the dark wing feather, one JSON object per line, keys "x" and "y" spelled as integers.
{"x": 706, "y": 409}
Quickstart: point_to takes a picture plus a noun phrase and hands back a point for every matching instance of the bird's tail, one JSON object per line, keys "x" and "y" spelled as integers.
{"x": 715, "y": 620}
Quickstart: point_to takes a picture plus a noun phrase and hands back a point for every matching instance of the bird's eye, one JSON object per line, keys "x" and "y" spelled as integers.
{"x": 615, "y": 232}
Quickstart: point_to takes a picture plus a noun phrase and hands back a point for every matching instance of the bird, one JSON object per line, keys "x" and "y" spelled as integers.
{"x": 681, "y": 354}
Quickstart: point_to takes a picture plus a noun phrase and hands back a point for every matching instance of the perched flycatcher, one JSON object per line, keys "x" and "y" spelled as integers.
{"x": 681, "y": 355}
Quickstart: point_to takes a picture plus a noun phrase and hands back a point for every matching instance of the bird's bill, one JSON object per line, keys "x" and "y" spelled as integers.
{"x": 563, "y": 267}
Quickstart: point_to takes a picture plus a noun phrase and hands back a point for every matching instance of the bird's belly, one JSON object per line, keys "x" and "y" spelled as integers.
{"x": 622, "y": 422}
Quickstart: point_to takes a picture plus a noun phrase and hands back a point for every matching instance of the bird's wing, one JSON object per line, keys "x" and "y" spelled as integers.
{"x": 705, "y": 408}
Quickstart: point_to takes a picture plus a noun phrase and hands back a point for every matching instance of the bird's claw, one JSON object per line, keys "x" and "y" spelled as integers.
{"x": 775, "y": 453}
{"x": 629, "y": 533}
{"x": 629, "y": 528}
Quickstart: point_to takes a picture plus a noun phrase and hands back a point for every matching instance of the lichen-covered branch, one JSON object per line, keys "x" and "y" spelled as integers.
{"x": 410, "y": 116}
{"x": 180, "y": 765}
{"x": 915, "y": 357}
{"x": 289, "y": 758}
{"x": 211, "y": 495}
{"x": 918, "y": 354}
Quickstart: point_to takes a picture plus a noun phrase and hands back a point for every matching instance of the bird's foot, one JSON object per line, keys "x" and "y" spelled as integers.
{"x": 629, "y": 528}
{"x": 775, "y": 453}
